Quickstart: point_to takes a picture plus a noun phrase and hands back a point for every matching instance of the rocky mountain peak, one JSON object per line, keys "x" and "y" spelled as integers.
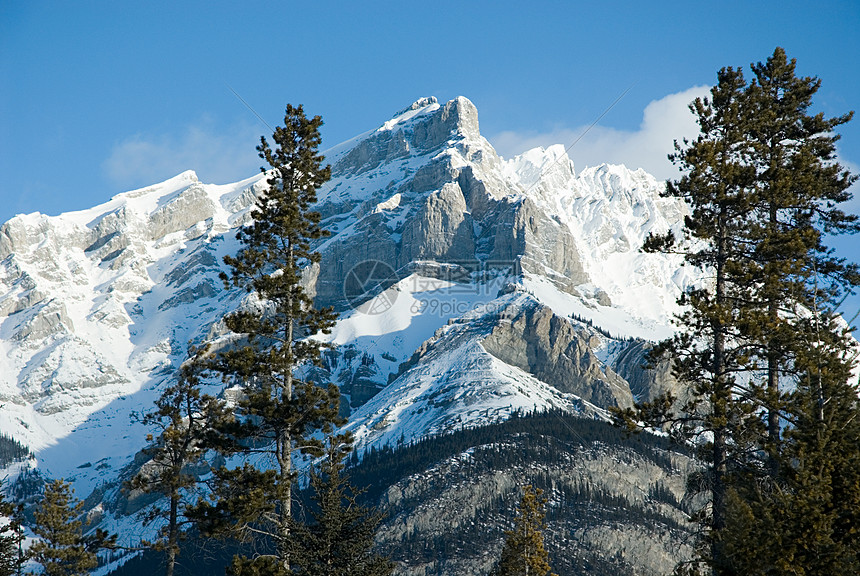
{"x": 417, "y": 105}
{"x": 423, "y": 127}
{"x": 469, "y": 287}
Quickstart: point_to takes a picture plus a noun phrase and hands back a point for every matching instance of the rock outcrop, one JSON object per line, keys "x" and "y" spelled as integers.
{"x": 558, "y": 351}
{"x": 454, "y": 207}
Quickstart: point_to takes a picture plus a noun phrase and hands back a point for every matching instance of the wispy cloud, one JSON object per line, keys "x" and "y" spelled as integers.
{"x": 218, "y": 155}
{"x": 853, "y": 206}
{"x": 663, "y": 121}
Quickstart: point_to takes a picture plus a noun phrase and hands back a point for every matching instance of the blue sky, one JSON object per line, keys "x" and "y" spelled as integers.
{"x": 101, "y": 97}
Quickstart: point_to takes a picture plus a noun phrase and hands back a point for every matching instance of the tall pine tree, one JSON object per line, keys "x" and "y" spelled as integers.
{"x": 63, "y": 548}
{"x": 793, "y": 504}
{"x": 806, "y": 519}
{"x": 799, "y": 188}
{"x": 523, "y": 553}
{"x": 706, "y": 352}
{"x": 338, "y": 540}
{"x": 183, "y": 419}
{"x": 765, "y": 323}
{"x": 279, "y": 410}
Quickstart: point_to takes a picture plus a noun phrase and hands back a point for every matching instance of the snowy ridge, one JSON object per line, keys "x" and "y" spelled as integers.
{"x": 457, "y": 383}
{"x": 98, "y": 305}
{"x": 610, "y": 210}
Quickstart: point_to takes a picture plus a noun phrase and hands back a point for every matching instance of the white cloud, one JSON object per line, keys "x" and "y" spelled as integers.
{"x": 218, "y": 156}
{"x": 853, "y": 206}
{"x": 663, "y": 121}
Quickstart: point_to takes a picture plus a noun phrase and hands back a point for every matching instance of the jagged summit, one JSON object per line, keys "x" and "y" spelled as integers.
{"x": 460, "y": 109}
{"x": 416, "y": 131}
{"x": 417, "y": 105}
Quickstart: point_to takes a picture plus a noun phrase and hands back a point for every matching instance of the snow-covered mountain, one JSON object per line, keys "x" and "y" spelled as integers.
{"x": 469, "y": 287}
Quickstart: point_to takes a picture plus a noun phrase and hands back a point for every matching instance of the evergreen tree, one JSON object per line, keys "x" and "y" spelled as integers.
{"x": 523, "y": 553}
{"x": 11, "y": 450}
{"x": 279, "y": 409}
{"x": 819, "y": 463}
{"x": 11, "y": 536}
{"x": 63, "y": 548}
{"x": 183, "y": 418}
{"x": 805, "y": 519}
{"x": 339, "y": 539}
{"x": 806, "y": 352}
{"x": 764, "y": 189}
{"x": 706, "y": 352}
{"x": 799, "y": 189}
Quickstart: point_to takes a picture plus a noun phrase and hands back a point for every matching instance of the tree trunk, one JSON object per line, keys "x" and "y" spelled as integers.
{"x": 721, "y": 397}
{"x": 773, "y": 412}
{"x": 172, "y": 534}
{"x": 284, "y": 441}
{"x": 285, "y": 494}
{"x": 773, "y": 374}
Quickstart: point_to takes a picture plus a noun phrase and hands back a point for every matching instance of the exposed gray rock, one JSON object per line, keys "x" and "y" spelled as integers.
{"x": 238, "y": 204}
{"x": 479, "y": 197}
{"x": 446, "y": 211}
{"x": 186, "y": 295}
{"x": 603, "y": 298}
{"x": 185, "y": 210}
{"x": 358, "y": 376}
{"x": 198, "y": 261}
{"x": 109, "y": 246}
{"x": 53, "y": 384}
{"x": 334, "y": 212}
{"x": 458, "y": 115}
{"x": 310, "y": 279}
{"x": 548, "y": 346}
{"x": 452, "y": 272}
{"x": 24, "y": 300}
{"x": 26, "y": 235}
{"x": 111, "y": 225}
{"x": 433, "y": 176}
{"x": 50, "y": 318}
{"x": 382, "y": 146}
{"x": 370, "y": 242}
{"x": 441, "y": 229}
{"x": 424, "y": 134}
{"x": 542, "y": 246}
{"x": 646, "y": 383}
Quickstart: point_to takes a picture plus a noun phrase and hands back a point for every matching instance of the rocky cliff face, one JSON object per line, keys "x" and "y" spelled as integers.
{"x": 470, "y": 287}
{"x": 440, "y": 194}
{"x": 558, "y": 352}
